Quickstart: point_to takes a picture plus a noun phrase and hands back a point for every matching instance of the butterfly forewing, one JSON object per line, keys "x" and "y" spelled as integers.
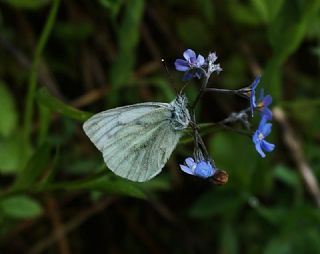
{"x": 136, "y": 140}
{"x": 105, "y": 124}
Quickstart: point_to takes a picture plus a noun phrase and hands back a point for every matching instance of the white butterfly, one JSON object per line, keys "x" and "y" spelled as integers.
{"x": 137, "y": 140}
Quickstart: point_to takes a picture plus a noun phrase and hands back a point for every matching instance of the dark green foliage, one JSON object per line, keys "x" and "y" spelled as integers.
{"x": 55, "y": 105}
{"x": 20, "y": 207}
{"x": 62, "y": 61}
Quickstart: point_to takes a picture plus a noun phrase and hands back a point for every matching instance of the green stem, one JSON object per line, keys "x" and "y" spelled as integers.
{"x": 201, "y": 92}
{"x": 34, "y": 70}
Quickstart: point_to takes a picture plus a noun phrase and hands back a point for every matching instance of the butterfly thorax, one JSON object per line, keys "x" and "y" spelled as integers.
{"x": 180, "y": 118}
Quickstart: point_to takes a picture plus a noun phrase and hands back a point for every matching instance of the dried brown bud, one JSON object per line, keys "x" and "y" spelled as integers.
{"x": 219, "y": 178}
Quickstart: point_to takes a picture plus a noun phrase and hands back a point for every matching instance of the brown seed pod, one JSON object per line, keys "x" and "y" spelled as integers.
{"x": 219, "y": 178}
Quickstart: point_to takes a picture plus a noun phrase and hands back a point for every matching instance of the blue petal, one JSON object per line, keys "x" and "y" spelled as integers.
{"x": 186, "y": 169}
{"x": 259, "y": 150}
{"x": 200, "y": 60}
{"x": 203, "y": 170}
{"x": 261, "y": 94}
{"x": 267, "y": 100}
{"x": 256, "y": 82}
{"x": 268, "y": 147}
{"x": 266, "y": 129}
{"x": 187, "y": 76}
{"x": 267, "y": 113}
{"x": 262, "y": 122}
{"x": 255, "y": 137}
{"x": 189, "y": 53}
{"x": 253, "y": 94}
{"x": 181, "y": 65}
{"x": 193, "y": 62}
{"x": 190, "y": 162}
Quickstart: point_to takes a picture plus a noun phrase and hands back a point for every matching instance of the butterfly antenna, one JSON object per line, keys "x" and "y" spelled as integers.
{"x": 168, "y": 72}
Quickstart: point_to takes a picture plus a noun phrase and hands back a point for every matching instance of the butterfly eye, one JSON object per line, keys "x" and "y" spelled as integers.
{"x": 219, "y": 178}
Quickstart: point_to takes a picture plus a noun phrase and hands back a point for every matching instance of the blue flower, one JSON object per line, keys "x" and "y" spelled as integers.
{"x": 202, "y": 169}
{"x": 191, "y": 65}
{"x": 253, "y": 94}
{"x": 259, "y": 136}
{"x": 263, "y": 104}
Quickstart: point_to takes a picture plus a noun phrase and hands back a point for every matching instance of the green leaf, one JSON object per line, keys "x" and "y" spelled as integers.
{"x": 13, "y": 156}
{"x": 10, "y": 149}
{"x": 34, "y": 168}
{"x": 8, "y": 113}
{"x": 287, "y": 176}
{"x": 286, "y": 33}
{"x": 261, "y": 8}
{"x": 106, "y": 184}
{"x": 112, "y": 5}
{"x": 20, "y": 207}
{"x": 267, "y": 9}
{"x": 244, "y": 14}
{"x": 55, "y": 105}
{"x": 288, "y": 28}
{"x": 128, "y": 38}
{"x": 44, "y": 119}
{"x": 272, "y": 78}
{"x": 120, "y": 187}
{"x": 27, "y": 4}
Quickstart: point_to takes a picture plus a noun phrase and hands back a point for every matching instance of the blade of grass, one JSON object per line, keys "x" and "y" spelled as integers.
{"x": 28, "y": 114}
{"x": 55, "y": 105}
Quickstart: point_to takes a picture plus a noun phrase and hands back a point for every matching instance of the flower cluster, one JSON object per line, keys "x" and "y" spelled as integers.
{"x": 197, "y": 66}
{"x": 264, "y": 128}
{"x": 202, "y": 169}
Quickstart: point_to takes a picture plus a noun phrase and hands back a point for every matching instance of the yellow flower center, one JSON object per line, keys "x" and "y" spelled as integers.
{"x": 260, "y": 105}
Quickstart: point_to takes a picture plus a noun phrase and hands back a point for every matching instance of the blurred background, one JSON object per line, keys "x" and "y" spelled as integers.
{"x": 61, "y": 61}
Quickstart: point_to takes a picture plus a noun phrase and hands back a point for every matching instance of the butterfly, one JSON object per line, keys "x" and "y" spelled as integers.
{"x": 137, "y": 140}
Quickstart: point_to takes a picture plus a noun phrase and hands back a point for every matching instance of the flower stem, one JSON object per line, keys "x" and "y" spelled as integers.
{"x": 201, "y": 91}
{"x": 34, "y": 71}
{"x": 218, "y": 90}
{"x": 200, "y": 147}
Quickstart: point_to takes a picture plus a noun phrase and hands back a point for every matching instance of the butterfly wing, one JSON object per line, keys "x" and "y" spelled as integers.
{"x": 136, "y": 140}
